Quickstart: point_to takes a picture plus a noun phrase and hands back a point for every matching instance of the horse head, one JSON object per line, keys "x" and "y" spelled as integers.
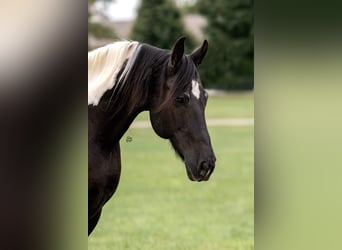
{"x": 177, "y": 111}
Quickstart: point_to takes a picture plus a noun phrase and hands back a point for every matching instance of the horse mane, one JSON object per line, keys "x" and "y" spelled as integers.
{"x": 127, "y": 69}
{"x": 104, "y": 65}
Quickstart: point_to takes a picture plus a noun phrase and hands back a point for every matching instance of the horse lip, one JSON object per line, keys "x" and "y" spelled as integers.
{"x": 190, "y": 175}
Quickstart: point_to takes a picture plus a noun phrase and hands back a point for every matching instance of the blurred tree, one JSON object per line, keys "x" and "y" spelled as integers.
{"x": 229, "y": 63}
{"x": 97, "y": 29}
{"x": 159, "y": 23}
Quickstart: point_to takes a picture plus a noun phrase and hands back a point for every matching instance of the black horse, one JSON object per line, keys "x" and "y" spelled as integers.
{"x": 126, "y": 78}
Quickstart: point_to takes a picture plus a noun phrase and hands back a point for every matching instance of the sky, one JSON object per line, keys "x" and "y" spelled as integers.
{"x": 121, "y": 10}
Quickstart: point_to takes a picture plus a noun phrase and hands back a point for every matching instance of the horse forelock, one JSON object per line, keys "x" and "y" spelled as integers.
{"x": 105, "y": 63}
{"x": 187, "y": 72}
{"x": 182, "y": 82}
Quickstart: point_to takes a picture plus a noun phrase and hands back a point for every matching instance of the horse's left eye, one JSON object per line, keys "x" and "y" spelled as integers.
{"x": 183, "y": 99}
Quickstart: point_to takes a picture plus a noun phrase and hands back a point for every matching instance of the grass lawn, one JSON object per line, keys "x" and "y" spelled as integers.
{"x": 157, "y": 207}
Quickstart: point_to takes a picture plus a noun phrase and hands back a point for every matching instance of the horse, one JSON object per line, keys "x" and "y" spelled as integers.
{"x": 128, "y": 77}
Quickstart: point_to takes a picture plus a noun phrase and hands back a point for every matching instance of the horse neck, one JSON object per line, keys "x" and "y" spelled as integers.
{"x": 107, "y": 128}
{"x": 117, "y": 110}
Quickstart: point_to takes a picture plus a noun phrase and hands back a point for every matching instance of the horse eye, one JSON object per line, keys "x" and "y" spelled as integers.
{"x": 183, "y": 99}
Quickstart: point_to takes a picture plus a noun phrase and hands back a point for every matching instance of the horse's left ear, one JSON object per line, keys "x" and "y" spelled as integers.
{"x": 198, "y": 55}
{"x": 177, "y": 52}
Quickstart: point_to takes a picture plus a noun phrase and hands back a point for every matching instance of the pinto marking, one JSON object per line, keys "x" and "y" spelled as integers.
{"x": 195, "y": 89}
{"x": 103, "y": 66}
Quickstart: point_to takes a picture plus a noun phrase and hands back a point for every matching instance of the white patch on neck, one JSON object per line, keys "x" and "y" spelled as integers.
{"x": 104, "y": 64}
{"x": 195, "y": 89}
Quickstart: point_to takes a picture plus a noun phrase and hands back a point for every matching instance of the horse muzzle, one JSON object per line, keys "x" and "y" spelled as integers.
{"x": 203, "y": 171}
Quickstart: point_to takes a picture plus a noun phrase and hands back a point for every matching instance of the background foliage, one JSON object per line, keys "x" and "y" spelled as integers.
{"x": 230, "y": 30}
{"x": 159, "y": 22}
{"x": 97, "y": 29}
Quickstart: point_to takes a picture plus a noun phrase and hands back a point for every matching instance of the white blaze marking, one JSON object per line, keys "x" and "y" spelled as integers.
{"x": 195, "y": 89}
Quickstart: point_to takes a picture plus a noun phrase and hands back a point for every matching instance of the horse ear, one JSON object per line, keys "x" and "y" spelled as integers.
{"x": 198, "y": 55}
{"x": 177, "y": 51}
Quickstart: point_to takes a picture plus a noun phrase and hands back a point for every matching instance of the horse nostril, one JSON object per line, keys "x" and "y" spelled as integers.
{"x": 204, "y": 167}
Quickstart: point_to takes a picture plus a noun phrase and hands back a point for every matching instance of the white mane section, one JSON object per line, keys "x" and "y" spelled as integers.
{"x": 104, "y": 64}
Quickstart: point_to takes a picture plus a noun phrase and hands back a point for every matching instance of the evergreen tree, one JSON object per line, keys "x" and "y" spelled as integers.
{"x": 229, "y": 62}
{"x": 159, "y": 23}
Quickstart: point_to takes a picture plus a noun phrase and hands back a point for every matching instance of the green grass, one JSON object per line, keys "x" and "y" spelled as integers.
{"x": 231, "y": 105}
{"x": 157, "y": 207}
